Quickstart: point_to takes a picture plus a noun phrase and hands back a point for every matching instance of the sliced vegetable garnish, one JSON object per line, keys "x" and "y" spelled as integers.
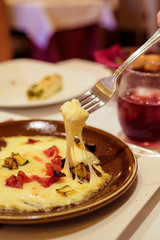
{"x": 20, "y": 160}
{"x": 10, "y": 163}
{"x": 66, "y": 190}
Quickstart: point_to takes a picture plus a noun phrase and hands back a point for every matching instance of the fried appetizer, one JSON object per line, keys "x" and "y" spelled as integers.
{"x": 46, "y": 88}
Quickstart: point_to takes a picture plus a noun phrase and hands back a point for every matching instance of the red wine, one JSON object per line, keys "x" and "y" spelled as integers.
{"x": 139, "y": 114}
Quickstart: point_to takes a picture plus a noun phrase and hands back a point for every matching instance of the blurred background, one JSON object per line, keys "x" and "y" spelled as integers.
{"x": 56, "y": 30}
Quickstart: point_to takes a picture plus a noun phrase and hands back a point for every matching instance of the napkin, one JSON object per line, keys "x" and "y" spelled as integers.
{"x": 111, "y": 57}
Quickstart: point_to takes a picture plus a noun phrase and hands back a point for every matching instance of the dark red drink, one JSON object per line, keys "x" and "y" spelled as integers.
{"x": 139, "y": 114}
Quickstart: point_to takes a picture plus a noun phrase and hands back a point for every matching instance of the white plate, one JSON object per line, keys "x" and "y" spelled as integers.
{"x": 16, "y": 76}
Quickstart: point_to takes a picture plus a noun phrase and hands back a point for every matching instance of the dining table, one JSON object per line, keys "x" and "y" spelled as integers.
{"x": 52, "y": 26}
{"x": 133, "y": 215}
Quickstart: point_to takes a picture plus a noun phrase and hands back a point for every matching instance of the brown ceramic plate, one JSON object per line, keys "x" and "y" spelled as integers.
{"x": 115, "y": 156}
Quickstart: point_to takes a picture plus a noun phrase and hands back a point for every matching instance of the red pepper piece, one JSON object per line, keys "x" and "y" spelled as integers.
{"x": 46, "y": 181}
{"x": 51, "y": 152}
{"x": 31, "y": 141}
{"x": 17, "y": 181}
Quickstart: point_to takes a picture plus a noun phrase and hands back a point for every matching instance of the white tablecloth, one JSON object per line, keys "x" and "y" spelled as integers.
{"x": 40, "y": 19}
{"x": 123, "y": 218}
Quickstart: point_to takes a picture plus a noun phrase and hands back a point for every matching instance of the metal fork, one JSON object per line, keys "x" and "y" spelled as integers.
{"x": 105, "y": 88}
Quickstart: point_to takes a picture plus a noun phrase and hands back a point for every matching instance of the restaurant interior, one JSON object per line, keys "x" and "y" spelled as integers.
{"x": 128, "y": 23}
{"x": 86, "y": 40}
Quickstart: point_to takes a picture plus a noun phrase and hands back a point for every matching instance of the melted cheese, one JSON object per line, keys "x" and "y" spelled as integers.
{"x": 34, "y": 197}
{"x": 75, "y": 119}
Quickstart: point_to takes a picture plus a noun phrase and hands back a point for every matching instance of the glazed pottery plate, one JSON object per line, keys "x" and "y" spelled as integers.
{"x": 115, "y": 157}
{"x": 20, "y": 74}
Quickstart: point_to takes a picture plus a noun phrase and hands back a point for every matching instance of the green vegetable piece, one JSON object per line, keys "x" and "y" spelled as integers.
{"x": 20, "y": 160}
{"x": 10, "y": 163}
{"x": 66, "y": 190}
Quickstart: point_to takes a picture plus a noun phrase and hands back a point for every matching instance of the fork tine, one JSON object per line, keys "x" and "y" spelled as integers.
{"x": 96, "y": 106}
{"x": 87, "y": 98}
{"x": 85, "y": 95}
{"x": 91, "y": 103}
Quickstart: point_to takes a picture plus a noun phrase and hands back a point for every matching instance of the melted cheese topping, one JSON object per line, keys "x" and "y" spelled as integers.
{"x": 33, "y": 196}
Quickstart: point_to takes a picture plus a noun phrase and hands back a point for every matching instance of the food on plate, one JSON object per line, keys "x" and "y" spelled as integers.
{"x": 147, "y": 63}
{"x": 39, "y": 173}
{"x": 46, "y": 88}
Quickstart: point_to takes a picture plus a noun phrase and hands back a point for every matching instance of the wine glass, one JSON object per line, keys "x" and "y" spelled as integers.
{"x": 139, "y": 102}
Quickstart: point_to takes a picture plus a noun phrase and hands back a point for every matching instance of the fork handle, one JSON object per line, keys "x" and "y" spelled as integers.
{"x": 147, "y": 45}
